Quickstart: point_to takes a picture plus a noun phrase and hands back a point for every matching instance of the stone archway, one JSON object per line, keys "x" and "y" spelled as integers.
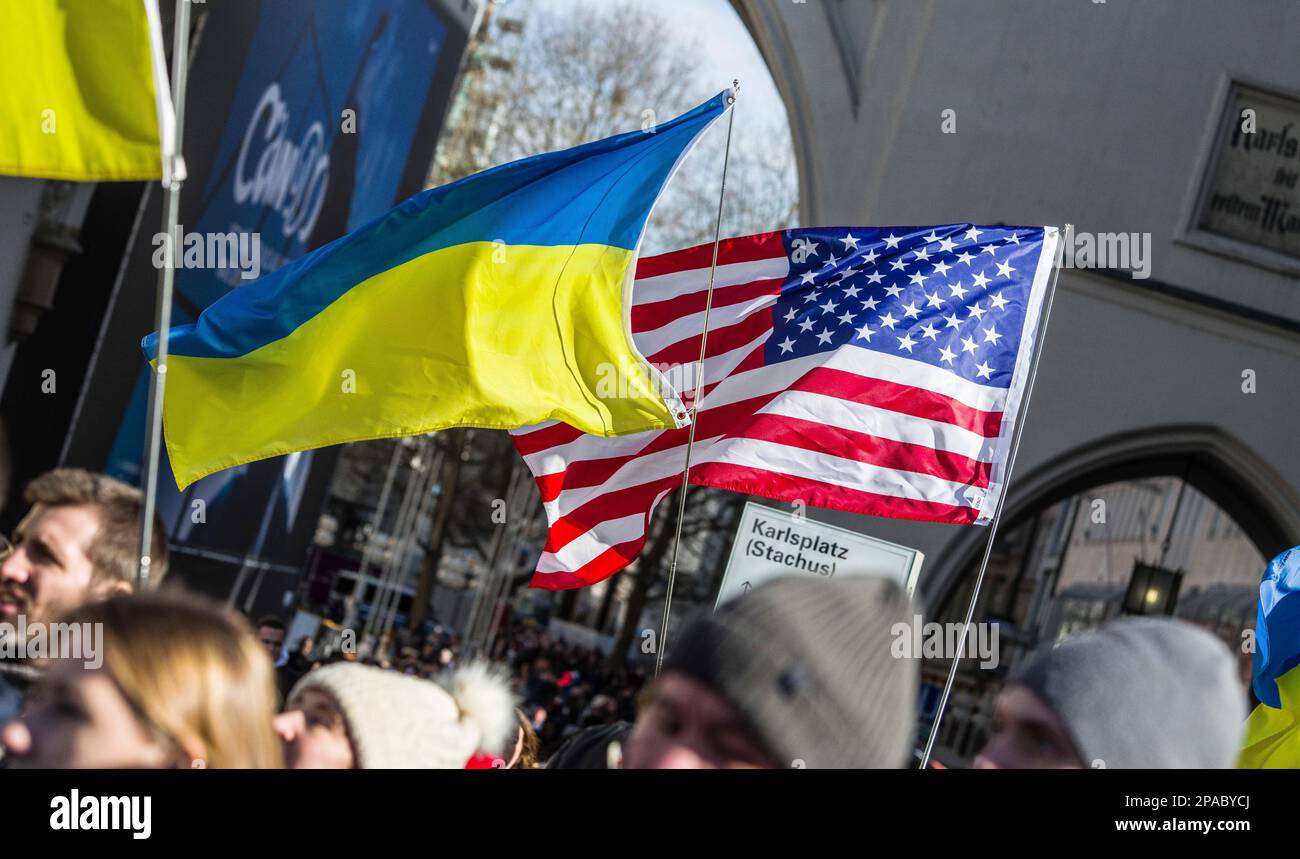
{"x": 1055, "y": 571}
{"x": 774, "y": 43}
{"x": 1210, "y": 459}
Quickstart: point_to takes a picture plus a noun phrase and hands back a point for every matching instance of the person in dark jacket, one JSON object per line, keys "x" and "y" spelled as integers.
{"x": 594, "y": 748}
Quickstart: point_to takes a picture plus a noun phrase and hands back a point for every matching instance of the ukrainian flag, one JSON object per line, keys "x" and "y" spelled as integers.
{"x": 1273, "y": 730}
{"x": 497, "y": 301}
{"x": 79, "y": 81}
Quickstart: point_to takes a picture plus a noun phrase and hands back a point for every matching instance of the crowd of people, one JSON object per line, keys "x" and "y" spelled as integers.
{"x": 796, "y": 673}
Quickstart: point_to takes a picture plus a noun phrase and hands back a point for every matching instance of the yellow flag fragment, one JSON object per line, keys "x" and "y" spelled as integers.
{"x": 78, "y": 90}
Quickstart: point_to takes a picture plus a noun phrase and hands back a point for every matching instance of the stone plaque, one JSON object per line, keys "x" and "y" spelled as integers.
{"x": 1252, "y": 192}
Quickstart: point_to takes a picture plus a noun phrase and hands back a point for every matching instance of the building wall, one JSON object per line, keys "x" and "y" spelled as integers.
{"x": 1093, "y": 114}
{"x": 19, "y": 214}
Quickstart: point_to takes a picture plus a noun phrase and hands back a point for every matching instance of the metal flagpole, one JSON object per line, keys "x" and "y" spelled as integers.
{"x": 166, "y": 280}
{"x": 377, "y": 522}
{"x": 484, "y": 603}
{"x": 254, "y": 557}
{"x": 507, "y": 559}
{"x": 427, "y": 478}
{"x": 395, "y": 547}
{"x": 487, "y": 583}
{"x": 396, "y": 543}
{"x": 1039, "y": 337}
{"x": 699, "y": 388}
{"x": 389, "y": 590}
{"x": 487, "y": 580}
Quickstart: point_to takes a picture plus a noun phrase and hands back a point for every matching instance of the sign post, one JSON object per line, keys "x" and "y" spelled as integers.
{"x": 771, "y": 543}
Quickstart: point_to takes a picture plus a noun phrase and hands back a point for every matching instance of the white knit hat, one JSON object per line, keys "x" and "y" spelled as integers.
{"x": 397, "y": 721}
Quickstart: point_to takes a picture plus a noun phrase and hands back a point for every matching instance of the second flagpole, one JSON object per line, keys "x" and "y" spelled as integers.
{"x": 699, "y": 389}
{"x": 1040, "y": 336}
{"x": 174, "y": 175}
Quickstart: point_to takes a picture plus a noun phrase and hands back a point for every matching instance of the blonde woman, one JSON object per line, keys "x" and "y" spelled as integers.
{"x": 179, "y": 682}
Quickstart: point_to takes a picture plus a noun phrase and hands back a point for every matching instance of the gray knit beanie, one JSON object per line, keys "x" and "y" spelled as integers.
{"x": 396, "y": 721}
{"x": 807, "y": 662}
{"x": 1143, "y": 693}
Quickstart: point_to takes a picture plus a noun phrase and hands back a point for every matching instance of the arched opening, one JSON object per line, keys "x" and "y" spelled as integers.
{"x": 1170, "y": 522}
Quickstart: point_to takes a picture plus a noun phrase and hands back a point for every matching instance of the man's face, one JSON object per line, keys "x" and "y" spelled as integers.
{"x": 1027, "y": 734}
{"x": 315, "y": 734}
{"x": 272, "y": 639}
{"x": 49, "y": 572}
{"x": 686, "y": 725}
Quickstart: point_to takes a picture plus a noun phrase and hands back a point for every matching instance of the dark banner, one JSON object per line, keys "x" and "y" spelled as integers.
{"x": 302, "y": 122}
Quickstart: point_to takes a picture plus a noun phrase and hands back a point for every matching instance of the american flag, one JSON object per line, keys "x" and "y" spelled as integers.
{"x": 874, "y": 370}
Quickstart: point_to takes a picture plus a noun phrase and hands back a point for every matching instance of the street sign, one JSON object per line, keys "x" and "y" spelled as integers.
{"x": 771, "y": 543}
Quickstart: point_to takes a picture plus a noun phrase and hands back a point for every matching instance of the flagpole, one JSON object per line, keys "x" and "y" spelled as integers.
{"x": 174, "y": 175}
{"x": 699, "y": 388}
{"x": 1039, "y": 336}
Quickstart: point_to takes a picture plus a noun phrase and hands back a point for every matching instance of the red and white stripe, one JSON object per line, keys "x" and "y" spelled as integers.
{"x": 850, "y": 429}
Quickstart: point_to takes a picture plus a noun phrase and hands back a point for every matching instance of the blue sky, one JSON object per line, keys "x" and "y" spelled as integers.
{"x": 729, "y": 50}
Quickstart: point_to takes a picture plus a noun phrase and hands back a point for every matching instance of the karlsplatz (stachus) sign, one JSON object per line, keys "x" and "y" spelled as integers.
{"x": 771, "y": 543}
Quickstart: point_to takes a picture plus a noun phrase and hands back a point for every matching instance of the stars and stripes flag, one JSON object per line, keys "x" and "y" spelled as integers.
{"x": 873, "y": 370}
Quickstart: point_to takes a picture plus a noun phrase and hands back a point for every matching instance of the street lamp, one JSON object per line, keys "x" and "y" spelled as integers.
{"x": 1152, "y": 590}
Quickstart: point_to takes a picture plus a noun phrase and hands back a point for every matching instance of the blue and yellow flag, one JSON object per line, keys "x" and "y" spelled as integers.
{"x": 497, "y": 301}
{"x": 79, "y": 87}
{"x": 1273, "y": 730}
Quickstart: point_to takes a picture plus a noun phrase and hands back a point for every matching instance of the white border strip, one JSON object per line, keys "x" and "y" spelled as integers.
{"x": 1020, "y": 375}
{"x": 162, "y": 94}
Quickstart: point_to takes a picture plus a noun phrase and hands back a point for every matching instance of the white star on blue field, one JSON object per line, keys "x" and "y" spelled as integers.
{"x": 953, "y": 296}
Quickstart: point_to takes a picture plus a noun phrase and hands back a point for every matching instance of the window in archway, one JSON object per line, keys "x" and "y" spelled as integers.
{"x": 1130, "y": 547}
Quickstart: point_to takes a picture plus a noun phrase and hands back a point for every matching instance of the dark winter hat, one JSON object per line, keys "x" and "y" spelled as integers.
{"x": 808, "y": 663}
{"x": 1143, "y": 693}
